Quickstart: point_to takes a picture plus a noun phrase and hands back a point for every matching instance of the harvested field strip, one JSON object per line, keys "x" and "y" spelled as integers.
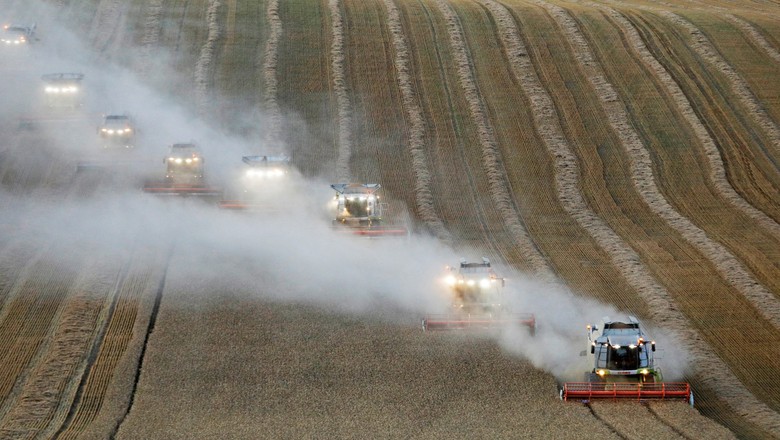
{"x": 26, "y": 322}
{"x": 339, "y": 85}
{"x": 105, "y": 24}
{"x": 344, "y": 377}
{"x": 303, "y": 73}
{"x": 687, "y": 421}
{"x": 458, "y": 181}
{"x": 16, "y": 259}
{"x": 498, "y": 186}
{"x": 753, "y": 174}
{"x": 49, "y": 383}
{"x": 718, "y": 57}
{"x": 184, "y": 36}
{"x": 644, "y": 180}
{"x": 112, "y": 352}
{"x": 416, "y": 126}
{"x": 204, "y": 67}
{"x": 378, "y": 152}
{"x": 608, "y": 180}
{"x": 239, "y": 76}
{"x": 765, "y": 271}
{"x": 151, "y": 27}
{"x": 632, "y": 420}
{"x": 543, "y": 201}
{"x": 713, "y": 373}
{"x": 757, "y": 38}
{"x": 767, "y": 27}
{"x": 270, "y": 62}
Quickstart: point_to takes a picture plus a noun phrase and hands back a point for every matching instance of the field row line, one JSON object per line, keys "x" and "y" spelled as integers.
{"x": 204, "y": 65}
{"x": 343, "y": 103}
{"x": 105, "y": 23}
{"x": 714, "y": 372}
{"x": 750, "y": 30}
{"x": 150, "y": 326}
{"x": 26, "y": 327}
{"x": 704, "y": 47}
{"x": 417, "y": 127}
{"x": 152, "y": 25}
{"x": 41, "y": 395}
{"x": 491, "y": 156}
{"x": 270, "y": 62}
{"x": 644, "y": 180}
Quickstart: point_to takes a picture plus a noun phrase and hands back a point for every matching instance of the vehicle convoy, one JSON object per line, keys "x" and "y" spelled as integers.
{"x": 624, "y": 367}
{"x": 358, "y": 210}
{"x": 117, "y": 131}
{"x": 184, "y": 165}
{"x": 260, "y": 183}
{"x": 17, "y": 35}
{"x": 477, "y": 297}
{"x": 63, "y": 90}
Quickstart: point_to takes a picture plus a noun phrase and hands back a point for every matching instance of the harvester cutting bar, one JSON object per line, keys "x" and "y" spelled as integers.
{"x": 458, "y": 322}
{"x": 373, "y": 231}
{"x": 238, "y": 205}
{"x": 626, "y": 390}
{"x": 175, "y": 190}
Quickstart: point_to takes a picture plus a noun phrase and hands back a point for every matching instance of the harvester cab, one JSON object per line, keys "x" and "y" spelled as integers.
{"x": 476, "y": 293}
{"x": 63, "y": 90}
{"x": 17, "y": 35}
{"x": 117, "y": 132}
{"x": 624, "y": 366}
{"x": 475, "y": 286}
{"x": 184, "y": 173}
{"x": 358, "y": 210}
{"x": 622, "y": 353}
{"x": 259, "y": 183}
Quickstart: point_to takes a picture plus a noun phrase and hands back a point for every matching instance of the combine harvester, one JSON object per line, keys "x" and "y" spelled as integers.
{"x": 184, "y": 174}
{"x": 476, "y": 294}
{"x": 624, "y": 368}
{"x": 16, "y": 35}
{"x": 63, "y": 98}
{"x": 260, "y": 184}
{"x": 117, "y": 140}
{"x": 117, "y": 132}
{"x": 358, "y": 211}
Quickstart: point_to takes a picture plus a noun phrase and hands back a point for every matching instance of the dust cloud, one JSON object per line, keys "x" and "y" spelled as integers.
{"x": 291, "y": 254}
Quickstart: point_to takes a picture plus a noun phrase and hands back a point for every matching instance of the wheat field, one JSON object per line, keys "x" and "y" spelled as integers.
{"x": 623, "y": 152}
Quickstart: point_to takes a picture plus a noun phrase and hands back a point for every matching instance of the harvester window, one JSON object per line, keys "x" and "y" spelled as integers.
{"x": 623, "y": 358}
{"x": 357, "y": 207}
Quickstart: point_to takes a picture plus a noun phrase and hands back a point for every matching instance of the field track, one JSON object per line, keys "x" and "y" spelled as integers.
{"x": 626, "y": 151}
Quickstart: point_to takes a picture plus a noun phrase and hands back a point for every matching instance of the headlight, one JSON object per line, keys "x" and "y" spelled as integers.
{"x": 470, "y": 282}
{"x": 188, "y": 160}
{"x": 195, "y": 159}
{"x": 645, "y": 371}
{"x": 110, "y": 131}
{"x": 601, "y": 372}
{"x": 450, "y": 280}
{"x": 484, "y": 283}
{"x": 178, "y": 160}
{"x": 616, "y": 346}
